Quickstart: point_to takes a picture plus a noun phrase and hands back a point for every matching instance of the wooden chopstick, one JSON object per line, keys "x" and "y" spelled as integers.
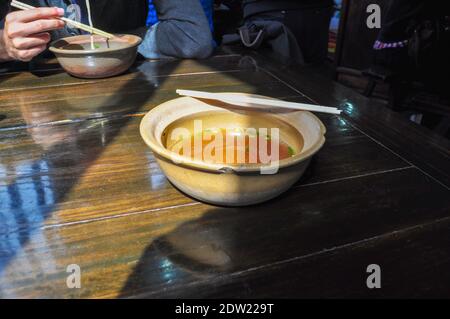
{"x": 261, "y": 103}
{"x": 82, "y": 26}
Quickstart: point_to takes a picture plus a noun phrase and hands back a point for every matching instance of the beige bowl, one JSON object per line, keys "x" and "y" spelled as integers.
{"x": 223, "y": 184}
{"x": 77, "y": 58}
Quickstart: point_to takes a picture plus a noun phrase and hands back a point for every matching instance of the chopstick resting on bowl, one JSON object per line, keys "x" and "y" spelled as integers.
{"x": 260, "y": 103}
{"x": 82, "y": 26}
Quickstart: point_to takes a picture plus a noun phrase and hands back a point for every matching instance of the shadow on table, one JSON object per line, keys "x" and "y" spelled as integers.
{"x": 6, "y": 77}
{"x": 67, "y": 152}
{"x": 223, "y": 241}
{"x": 47, "y": 72}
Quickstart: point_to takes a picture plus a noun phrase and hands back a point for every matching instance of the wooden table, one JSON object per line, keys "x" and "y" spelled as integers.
{"x": 79, "y": 186}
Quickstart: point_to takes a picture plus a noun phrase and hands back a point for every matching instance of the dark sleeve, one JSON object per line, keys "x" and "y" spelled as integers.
{"x": 398, "y": 18}
{"x": 183, "y": 30}
{"x": 4, "y": 9}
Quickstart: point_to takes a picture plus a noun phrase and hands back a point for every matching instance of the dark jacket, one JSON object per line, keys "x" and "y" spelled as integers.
{"x": 251, "y": 7}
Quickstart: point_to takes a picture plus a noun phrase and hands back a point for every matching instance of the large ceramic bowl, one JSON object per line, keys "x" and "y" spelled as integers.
{"x": 223, "y": 184}
{"x": 107, "y": 59}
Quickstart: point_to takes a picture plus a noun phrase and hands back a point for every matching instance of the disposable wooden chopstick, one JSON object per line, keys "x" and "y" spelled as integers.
{"x": 82, "y": 26}
{"x": 23, "y": 6}
{"x": 261, "y": 103}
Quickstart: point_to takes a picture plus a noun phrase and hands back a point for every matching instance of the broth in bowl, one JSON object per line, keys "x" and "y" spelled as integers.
{"x": 222, "y": 138}
{"x": 98, "y": 44}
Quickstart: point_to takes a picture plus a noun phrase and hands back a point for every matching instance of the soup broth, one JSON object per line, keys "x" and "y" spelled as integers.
{"x": 86, "y": 45}
{"x": 229, "y": 138}
{"x": 231, "y": 147}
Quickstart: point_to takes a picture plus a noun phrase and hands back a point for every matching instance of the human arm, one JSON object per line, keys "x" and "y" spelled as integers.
{"x": 182, "y": 31}
{"x": 25, "y": 33}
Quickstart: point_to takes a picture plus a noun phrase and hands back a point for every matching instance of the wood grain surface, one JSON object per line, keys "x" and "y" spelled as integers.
{"x": 79, "y": 186}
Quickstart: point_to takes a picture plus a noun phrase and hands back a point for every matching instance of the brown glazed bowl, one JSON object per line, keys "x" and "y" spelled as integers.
{"x": 78, "y": 59}
{"x": 230, "y": 185}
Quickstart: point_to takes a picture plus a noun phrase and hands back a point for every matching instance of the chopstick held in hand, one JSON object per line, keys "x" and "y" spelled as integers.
{"x": 81, "y": 26}
{"x": 26, "y": 33}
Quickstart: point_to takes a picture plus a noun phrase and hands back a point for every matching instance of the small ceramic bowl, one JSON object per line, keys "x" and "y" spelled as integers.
{"x": 223, "y": 184}
{"x": 107, "y": 59}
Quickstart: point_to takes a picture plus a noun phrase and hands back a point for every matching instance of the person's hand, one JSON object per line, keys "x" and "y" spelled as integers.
{"x": 26, "y": 32}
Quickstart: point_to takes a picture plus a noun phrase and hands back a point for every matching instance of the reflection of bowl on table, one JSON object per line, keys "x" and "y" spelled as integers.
{"x": 109, "y": 58}
{"x": 227, "y": 184}
{"x": 201, "y": 253}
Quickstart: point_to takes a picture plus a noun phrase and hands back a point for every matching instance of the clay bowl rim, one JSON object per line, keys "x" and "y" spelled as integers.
{"x": 136, "y": 40}
{"x": 186, "y": 162}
